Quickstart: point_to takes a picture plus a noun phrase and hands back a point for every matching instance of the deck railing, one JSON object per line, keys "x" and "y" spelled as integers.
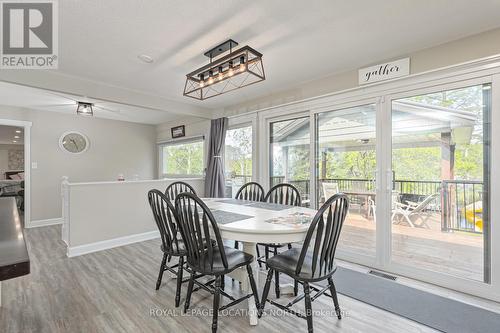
{"x": 460, "y": 203}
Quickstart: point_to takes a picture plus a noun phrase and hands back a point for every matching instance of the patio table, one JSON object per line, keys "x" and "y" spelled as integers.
{"x": 363, "y": 193}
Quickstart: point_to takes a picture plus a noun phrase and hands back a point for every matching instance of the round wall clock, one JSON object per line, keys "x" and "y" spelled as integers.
{"x": 73, "y": 142}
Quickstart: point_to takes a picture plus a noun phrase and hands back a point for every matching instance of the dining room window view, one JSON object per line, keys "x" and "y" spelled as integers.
{"x": 238, "y": 158}
{"x": 266, "y": 166}
{"x": 182, "y": 158}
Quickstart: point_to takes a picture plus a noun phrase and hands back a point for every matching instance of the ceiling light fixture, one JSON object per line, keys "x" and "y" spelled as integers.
{"x": 233, "y": 70}
{"x": 16, "y": 136}
{"x": 145, "y": 58}
{"x": 18, "y": 131}
{"x": 85, "y": 109}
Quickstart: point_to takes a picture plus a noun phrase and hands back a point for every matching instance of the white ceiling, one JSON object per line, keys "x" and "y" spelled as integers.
{"x": 300, "y": 40}
{"x": 38, "y": 99}
{"x": 8, "y": 135}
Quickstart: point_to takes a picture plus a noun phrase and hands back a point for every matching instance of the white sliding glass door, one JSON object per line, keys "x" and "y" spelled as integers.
{"x": 441, "y": 167}
{"x": 418, "y": 167}
{"x": 289, "y": 152}
{"x": 346, "y": 161}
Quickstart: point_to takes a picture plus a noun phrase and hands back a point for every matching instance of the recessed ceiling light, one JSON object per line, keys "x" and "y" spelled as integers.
{"x": 18, "y": 131}
{"x": 14, "y": 141}
{"x": 145, "y": 58}
{"x": 16, "y": 136}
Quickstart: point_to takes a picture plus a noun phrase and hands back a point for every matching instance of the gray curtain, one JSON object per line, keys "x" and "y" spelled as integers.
{"x": 215, "y": 178}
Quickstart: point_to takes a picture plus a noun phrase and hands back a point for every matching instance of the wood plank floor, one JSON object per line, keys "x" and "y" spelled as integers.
{"x": 113, "y": 291}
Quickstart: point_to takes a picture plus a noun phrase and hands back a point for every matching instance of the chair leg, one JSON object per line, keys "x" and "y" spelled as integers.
{"x": 295, "y": 288}
{"x": 189, "y": 292}
{"x": 162, "y": 269}
{"x": 333, "y": 291}
{"x": 253, "y": 286}
{"x": 276, "y": 278}
{"x": 222, "y": 282}
{"x": 180, "y": 269}
{"x": 266, "y": 248}
{"x": 407, "y": 218}
{"x": 309, "y": 318}
{"x": 393, "y": 216}
{"x": 267, "y": 286}
{"x": 258, "y": 255}
{"x": 216, "y": 303}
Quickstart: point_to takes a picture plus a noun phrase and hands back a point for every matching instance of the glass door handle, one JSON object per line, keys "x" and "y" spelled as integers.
{"x": 389, "y": 180}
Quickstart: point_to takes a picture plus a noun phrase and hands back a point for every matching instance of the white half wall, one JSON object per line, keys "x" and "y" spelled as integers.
{"x": 102, "y": 215}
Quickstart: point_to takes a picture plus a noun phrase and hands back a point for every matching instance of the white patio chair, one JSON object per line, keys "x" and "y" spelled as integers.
{"x": 330, "y": 189}
{"x": 414, "y": 209}
{"x": 373, "y": 207}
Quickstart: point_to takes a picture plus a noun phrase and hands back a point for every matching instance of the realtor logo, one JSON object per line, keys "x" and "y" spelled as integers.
{"x": 29, "y": 34}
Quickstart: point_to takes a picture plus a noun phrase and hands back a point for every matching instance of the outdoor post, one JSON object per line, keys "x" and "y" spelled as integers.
{"x": 447, "y": 173}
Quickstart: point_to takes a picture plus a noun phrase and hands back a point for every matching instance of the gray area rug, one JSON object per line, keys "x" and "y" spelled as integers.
{"x": 435, "y": 311}
{"x": 223, "y": 217}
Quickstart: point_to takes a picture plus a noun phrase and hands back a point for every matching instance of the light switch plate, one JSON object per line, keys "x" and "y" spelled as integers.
{"x": 34, "y": 165}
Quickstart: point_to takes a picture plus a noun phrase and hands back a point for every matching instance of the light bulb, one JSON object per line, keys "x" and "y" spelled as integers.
{"x": 210, "y": 77}
{"x": 202, "y": 83}
{"x": 242, "y": 63}
{"x": 230, "y": 72}
{"x": 221, "y": 76}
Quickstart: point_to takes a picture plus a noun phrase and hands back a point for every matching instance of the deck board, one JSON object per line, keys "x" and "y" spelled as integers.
{"x": 456, "y": 253}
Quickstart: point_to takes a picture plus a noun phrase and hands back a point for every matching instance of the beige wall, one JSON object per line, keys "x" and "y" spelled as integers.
{"x": 115, "y": 147}
{"x": 194, "y": 126}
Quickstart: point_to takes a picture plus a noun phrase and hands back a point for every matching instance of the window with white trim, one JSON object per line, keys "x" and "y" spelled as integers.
{"x": 182, "y": 158}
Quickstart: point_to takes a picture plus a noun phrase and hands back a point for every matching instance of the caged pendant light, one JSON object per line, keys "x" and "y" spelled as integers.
{"x": 234, "y": 70}
{"x": 85, "y": 109}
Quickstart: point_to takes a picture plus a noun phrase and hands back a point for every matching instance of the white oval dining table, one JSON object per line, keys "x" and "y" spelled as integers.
{"x": 259, "y": 223}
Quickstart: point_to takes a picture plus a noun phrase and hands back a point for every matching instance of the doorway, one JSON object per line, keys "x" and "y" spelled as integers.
{"x": 15, "y": 180}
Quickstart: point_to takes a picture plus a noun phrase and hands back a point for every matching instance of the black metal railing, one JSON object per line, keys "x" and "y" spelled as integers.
{"x": 234, "y": 182}
{"x": 460, "y": 201}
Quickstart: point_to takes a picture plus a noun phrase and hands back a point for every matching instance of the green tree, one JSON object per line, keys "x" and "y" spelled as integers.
{"x": 185, "y": 159}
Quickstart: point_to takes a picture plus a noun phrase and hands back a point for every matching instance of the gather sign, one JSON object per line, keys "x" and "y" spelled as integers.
{"x": 385, "y": 71}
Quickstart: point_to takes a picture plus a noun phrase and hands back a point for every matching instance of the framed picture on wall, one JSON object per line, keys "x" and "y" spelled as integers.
{"x": 178, "y": 131}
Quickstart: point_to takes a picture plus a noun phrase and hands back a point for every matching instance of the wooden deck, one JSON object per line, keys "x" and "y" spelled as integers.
{"x": 456, "y": 253}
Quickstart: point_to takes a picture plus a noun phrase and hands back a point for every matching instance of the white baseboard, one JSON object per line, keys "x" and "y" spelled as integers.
{"x": 43, "y": 223}
{"x": 111, "y": 243}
